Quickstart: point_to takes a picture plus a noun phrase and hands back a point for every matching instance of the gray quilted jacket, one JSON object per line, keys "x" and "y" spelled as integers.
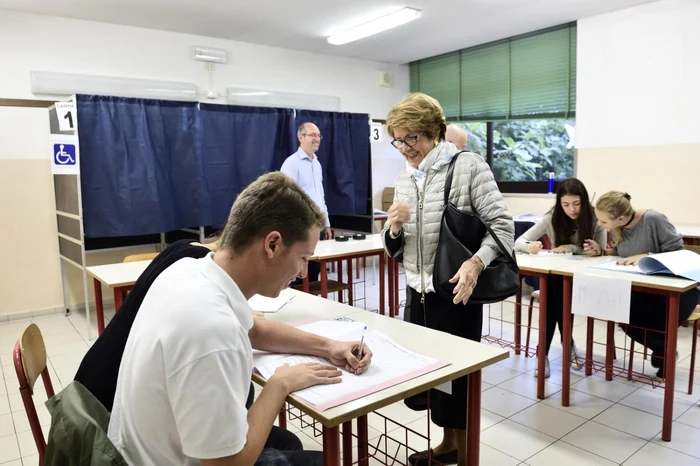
{"x": 473, "y": 189}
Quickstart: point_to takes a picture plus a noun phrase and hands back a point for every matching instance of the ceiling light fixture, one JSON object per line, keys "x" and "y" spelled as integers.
{"x": 375, "y": 26}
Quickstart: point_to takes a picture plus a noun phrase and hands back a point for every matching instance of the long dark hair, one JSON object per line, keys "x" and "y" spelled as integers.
{"x": 564, "y": 227}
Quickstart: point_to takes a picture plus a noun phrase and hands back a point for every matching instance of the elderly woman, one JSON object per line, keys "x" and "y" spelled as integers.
{"x": 417, "y": 126}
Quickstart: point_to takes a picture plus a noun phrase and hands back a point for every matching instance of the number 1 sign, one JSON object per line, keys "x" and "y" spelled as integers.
{"x": 65, "y": 112}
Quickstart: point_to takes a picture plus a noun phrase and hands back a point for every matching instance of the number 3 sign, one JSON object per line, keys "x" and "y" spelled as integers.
{"x": 376, "y": 132}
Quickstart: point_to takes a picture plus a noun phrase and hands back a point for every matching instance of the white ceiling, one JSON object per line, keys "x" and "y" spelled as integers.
{"x": 446, "y": 25}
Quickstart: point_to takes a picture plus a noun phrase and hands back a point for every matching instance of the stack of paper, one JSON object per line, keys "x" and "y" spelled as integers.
{"x": 264, "y": 304}
{"x": 391, "y": 365}
{"x": 548, "y": 253}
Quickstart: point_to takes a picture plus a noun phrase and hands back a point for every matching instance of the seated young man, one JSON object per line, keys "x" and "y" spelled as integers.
{"x": 184, "y": 376}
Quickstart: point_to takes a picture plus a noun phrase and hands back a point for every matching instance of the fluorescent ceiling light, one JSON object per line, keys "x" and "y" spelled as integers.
{"x": 375, "y": 26}
{"x": 49, "y": 83}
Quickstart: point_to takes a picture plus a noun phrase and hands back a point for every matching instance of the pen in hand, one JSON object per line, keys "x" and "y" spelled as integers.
{"x": 362, "y": 344}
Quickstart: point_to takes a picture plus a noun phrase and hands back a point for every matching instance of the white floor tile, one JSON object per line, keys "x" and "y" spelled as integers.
{"x": 27, "y": 446}
{"x": 657, "y": 455}
{"x": 9, "y": 450}
{"x": 548, "y": 420}
{"x": 489, "y": 456}
{"x": 691, "y": 417}
{"x": 632, "y": 421}
{"x": 526, "y": 385}
{"x": 608, "y": 390}
{"x": 580, "y": 404}
{"x": 562, "y": 453}
{"x": 7, "y": 427}
{"x": 503, "y": 402}
{"x": 489, "y": 419}
{"x": 32, "y": 460}
{"x": 601, "y": 440}
{"x": 496, "y": 374}
{"x": 684, "y": 439}
{"x": 18, "y": 463}
{"x": 4, "y": 405}
{"x": 653, "y": 402}
{"x": 519, "y": 363}
{"x": 519, "y": 441}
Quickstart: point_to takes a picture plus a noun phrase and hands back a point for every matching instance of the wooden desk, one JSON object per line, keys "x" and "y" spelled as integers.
{"x": 332, "y": 251}
{"x": 120, "y": 278}
{"x": 465, "y": 356}
{"x": 666, "y": 286}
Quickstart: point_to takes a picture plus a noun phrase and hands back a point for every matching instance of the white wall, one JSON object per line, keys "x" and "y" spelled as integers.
{"x": 638, "y": 80}
{"x": 638, "y": 91}
{"x": 32, "y": 42}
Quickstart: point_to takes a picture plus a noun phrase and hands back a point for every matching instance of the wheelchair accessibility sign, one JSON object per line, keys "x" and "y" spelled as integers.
{"x": 64, "y": 155}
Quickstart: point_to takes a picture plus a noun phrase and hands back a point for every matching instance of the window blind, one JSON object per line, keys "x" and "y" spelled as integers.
{"x": 523, "y": 77}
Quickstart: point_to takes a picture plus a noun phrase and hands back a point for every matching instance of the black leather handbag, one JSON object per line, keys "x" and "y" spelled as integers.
{"x": 461, "y": 233}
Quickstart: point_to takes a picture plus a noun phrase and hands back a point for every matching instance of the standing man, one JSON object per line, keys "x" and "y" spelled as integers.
{"x": 456, "y": 136}
{"x": 304, "y": 168}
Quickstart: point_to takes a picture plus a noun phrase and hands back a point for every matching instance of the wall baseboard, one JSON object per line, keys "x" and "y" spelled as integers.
{"x": 108, "y": 305}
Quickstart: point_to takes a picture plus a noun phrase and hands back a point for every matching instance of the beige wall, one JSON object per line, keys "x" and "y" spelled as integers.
{"x": 664, "y": 178}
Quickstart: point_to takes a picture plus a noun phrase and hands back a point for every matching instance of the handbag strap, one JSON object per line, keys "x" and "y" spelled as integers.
{"x": 448, "y": 185}
{"x": 450, "y": 174}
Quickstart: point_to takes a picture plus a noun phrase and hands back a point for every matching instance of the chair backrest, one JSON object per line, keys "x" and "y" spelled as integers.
{"x": 141, "y": 257}
{"x": 29, "y": 358}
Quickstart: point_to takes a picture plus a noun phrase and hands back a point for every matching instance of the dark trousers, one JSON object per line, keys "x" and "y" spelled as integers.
{"x": 649, "y": 311}
{"x": 555, "y": 309}
{"x": 439, "y": 313}
{"x": 283, "y": 448}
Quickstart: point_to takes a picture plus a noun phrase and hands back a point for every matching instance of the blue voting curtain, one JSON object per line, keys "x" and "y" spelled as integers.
{"x": 151, "y": 166}
{"x": 345, "y": 158}
{"x": 142, "y": 169}
{"x": 240, "y": 144}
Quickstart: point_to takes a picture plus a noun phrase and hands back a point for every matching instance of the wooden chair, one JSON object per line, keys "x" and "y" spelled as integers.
{"x": 147, "y": 256}
{"x": 534, "y": 296}
{"x": 30, "y": 362}
{"x": 141, "y": 257}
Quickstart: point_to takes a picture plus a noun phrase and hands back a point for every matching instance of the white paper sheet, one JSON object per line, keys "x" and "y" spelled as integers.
{"x": 549, "y": 253}
{"x": 612, "y": 265}
{"x": 601, "y": 297}
{"x": 264, "y": 304}
{"x": 391, "y": 364}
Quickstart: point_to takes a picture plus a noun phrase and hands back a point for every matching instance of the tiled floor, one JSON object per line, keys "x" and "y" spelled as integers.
{"x": 608, "y": 423}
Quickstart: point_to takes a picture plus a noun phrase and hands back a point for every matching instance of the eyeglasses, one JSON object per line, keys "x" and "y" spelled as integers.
{"x": 410, "y": 141}
{"x": 314, "y": 135}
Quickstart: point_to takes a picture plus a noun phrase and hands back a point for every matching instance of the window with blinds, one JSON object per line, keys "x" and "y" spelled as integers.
{"x": 523, "y": 77}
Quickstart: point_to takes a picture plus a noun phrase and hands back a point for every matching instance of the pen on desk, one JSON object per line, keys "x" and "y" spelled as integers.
{"x": 362, "y": 344}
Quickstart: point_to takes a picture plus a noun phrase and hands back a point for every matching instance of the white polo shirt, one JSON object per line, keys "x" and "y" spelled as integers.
{"x": 185, "y": 374}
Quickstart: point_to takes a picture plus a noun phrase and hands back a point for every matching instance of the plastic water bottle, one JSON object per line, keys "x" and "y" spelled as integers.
{"x": 550, "y": 186}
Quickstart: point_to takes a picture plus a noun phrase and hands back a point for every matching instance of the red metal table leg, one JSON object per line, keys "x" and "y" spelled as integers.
{"x": 670, "y": 364}
{"x": 331, "y": 446}
{"x": 541, "y": 344}
{"x": 473, "y": 418}
{"x": 566, "y": 360}
{"x": 99, "y": 309}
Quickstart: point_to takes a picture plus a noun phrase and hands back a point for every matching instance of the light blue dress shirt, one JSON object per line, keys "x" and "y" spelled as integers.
{"x": 307, "y": 173}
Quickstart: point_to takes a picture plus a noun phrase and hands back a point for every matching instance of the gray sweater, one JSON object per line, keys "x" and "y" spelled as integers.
{"x": 544, "y": 227}
{"x": 654, "y": 233}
